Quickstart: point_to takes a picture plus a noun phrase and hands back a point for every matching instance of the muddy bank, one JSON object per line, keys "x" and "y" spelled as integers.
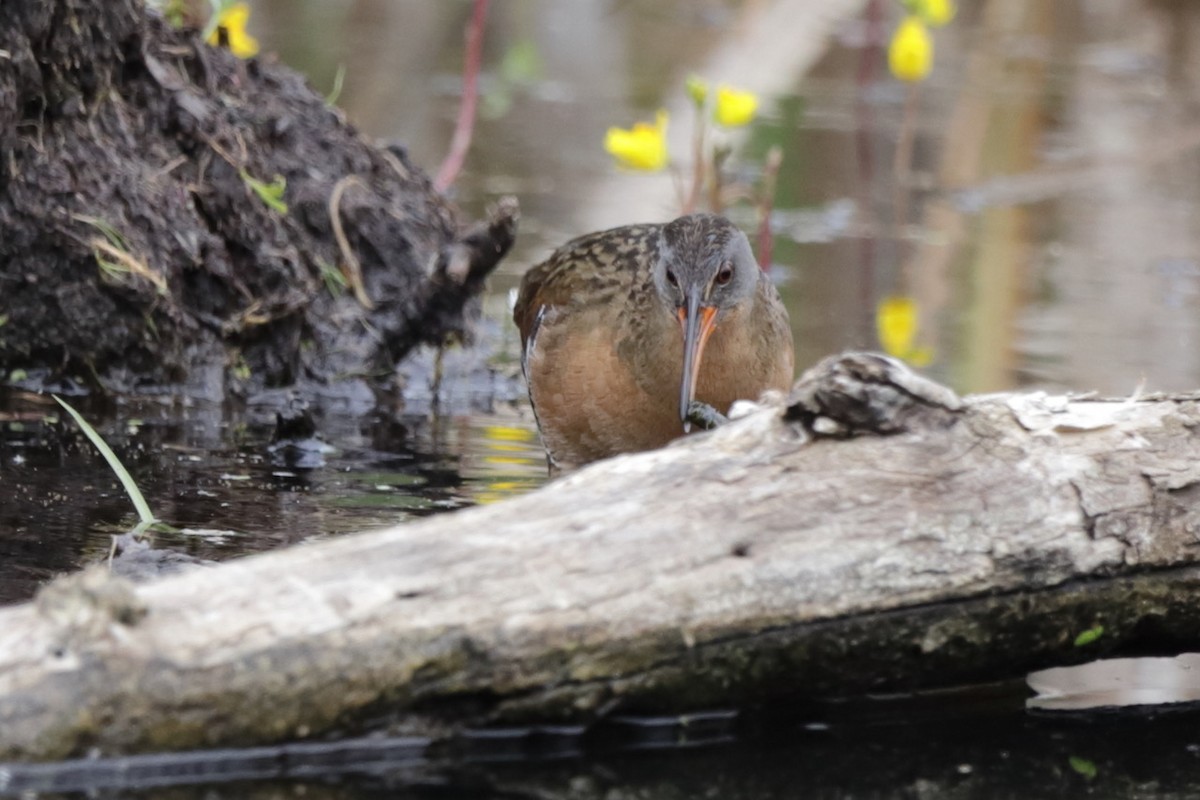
{"x": 175, "y": 219}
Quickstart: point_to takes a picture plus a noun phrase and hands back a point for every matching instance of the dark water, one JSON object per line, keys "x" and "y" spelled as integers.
{"x": 1046, "y": 232}
{"x": 211, "y": 473}
{"x": 866, "y": 750}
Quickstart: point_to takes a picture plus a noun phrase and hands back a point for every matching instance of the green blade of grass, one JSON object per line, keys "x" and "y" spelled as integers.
{"x": 338, "y": 78}
{"x": 270, "y": 193}
{"x": 114, "y": 463}
{"x": 113, "y": 236}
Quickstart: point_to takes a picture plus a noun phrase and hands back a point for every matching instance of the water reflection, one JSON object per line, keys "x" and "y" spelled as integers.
{"x": 1116, "y": 682}
{"x": 999, "y": 757}
{"x": 1051, "y": 236}
{"x": 208, "y": 472}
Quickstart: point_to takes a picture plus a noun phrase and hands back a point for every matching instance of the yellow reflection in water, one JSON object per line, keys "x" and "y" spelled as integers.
{"x": 509, "y": 462}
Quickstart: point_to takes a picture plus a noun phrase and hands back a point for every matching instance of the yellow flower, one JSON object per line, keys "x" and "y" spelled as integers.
{"x": 910, "y": 54}
{"x": 644, "y": 146}
{"x": 896, "y": 324}
{"x": 935, "y": 12}
{"x": 233, "y": 19}
{"x": 734, "y": 107}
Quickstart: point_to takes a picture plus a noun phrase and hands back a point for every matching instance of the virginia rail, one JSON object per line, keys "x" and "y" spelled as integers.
{"x": 622, "y": 330}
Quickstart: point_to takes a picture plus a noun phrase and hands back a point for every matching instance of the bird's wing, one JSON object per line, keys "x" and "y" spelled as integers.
{"x": 587, "y": 270}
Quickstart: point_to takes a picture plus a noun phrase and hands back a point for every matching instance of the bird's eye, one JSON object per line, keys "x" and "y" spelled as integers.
{"x": 725, "y": 274}
{"x": 671, "y": 279}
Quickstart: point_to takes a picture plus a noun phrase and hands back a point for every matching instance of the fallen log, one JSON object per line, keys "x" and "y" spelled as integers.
{"x": 872, "y": 533}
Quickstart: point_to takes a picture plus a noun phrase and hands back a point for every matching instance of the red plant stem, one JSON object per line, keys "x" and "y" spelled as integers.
{"x": 766, "y": 203}
{"x": 863, "y": 135}
{"x": 697, "y": 161}
{"x": 716, "y": 183}
{"x": 902, "y": 164}
{"x": 863, "y": 79}
{"x": 465, "y": 125}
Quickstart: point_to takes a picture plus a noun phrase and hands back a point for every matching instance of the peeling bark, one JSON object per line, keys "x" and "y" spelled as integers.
{"x": 873, "y": 533}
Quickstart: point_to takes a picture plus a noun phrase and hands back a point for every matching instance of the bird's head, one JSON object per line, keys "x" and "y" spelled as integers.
{"x": 704, "y": 270}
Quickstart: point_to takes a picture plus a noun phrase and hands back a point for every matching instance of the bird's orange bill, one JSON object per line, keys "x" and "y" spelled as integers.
{"x": 698, "y": 323}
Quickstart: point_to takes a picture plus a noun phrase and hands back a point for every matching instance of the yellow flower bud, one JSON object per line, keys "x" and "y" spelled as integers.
{"x": 697, "y": 89}
{"x": 644, "y": 146}
{"x": 936, "y": 12}
{"x": 233, "y": 20}
{"x": 896, "y": 325}
{"x": 734, "y": 108}
{"x": 910, "y": 54}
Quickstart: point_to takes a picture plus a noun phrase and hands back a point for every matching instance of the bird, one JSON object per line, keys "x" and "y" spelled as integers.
{"x": 624, "y": 330}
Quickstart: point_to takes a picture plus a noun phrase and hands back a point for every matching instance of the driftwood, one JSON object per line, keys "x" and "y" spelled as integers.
{"x": 874, "y": 533}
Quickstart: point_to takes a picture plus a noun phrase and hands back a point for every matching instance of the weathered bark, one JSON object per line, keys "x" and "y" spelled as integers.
{"x": 876, "y": 533}
{"x": 136, "y": 253}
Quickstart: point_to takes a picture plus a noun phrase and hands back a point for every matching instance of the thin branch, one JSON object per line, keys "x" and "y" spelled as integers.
{"x": 902, "y": 164}
{"x": 766, "y": 203}
{"x": 463, "y": 129}
{"x": 698, "y": 161}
